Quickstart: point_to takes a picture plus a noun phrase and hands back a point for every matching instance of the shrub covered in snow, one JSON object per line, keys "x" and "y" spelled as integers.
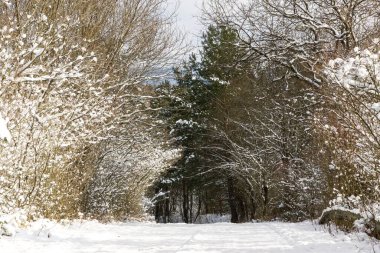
{"x": 10, "y": 223}
{"x": 124, "y": 175}
{"x": 53, "y": 109}
{"x": 351, "y": 128}
{"x": 68, "y": 84}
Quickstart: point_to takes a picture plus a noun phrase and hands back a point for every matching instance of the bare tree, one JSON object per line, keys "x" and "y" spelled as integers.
{"x": 298, "y": 35}
{"x": 269, "y": 150}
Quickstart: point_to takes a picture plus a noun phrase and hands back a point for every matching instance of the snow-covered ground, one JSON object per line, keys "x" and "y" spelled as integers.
{"x": 271, "y": 237}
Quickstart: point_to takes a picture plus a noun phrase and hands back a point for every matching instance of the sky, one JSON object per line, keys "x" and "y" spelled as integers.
{"x": 187, "y": 18}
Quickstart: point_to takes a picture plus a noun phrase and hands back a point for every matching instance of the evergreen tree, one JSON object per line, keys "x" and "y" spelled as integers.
{"x": 190, "y": 113}
{"x": 246, "y": 139}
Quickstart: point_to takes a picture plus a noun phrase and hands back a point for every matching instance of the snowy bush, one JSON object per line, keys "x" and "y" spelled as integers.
{"x": 4, "y": 131}
{"x": 352, "y": 130}
{"x": 124, "y": 175}
{"x": 66, "y": 87}
{"x": 53, "y": 109}
{"x": 10, "y": 223}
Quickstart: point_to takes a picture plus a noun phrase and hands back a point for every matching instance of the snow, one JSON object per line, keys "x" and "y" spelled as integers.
{"x": 4, "y": 132}
{"x": 90, "y": 236}
{"x": 376, "y": 107}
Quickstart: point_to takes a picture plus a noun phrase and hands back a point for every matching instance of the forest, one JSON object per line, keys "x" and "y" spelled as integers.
{"x": 104, "y": 113}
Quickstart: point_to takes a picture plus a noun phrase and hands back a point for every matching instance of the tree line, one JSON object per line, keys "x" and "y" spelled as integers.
{"x": 276, "y": 117}
{"x": 277, "y": 114}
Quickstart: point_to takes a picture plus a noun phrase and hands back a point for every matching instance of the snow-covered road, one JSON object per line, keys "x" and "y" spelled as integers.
{"x": 92, "y": 237}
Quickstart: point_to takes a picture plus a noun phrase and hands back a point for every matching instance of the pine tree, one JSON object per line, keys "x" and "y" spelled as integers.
{"x": 190, "y": 113}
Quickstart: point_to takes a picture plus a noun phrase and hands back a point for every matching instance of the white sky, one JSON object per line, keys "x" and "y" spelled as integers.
{"x": 187, "y": 18}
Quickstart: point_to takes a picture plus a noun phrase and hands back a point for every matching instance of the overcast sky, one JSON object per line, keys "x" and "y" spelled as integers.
{"x": 187, "y": 18}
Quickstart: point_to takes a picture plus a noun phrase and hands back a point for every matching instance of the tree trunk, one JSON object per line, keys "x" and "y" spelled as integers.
{"x": 199, "y": 208}
{"x": 232, "y": 201}
{"x": 185, "y": 203}
{"x": 166, "y": 207}
{"x": 191, "y": 208}
{"x": 265, "y": 197}
{"x": 242, "y": 214}
{"x": 157, "y": 208}
{"x": 253, "y": 209}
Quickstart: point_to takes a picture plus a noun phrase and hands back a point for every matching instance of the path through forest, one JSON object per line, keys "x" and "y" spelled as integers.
{"x": 89, "y": 237}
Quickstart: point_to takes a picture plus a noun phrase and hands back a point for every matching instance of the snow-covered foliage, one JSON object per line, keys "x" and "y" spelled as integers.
{"x": 65, "y": 89}
{"x": 360, "y": 71}
{"x": 355, "y": 205}
{"x": 352, "y": 130}
{"x": 126, "y": 171}
{"x": 10, "y": 223}
{"x": 4, "y": 131}
{"x": 298, "y": 35}
{"x": 54, "y": 104}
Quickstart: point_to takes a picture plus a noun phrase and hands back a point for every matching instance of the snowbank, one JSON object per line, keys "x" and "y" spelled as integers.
{"x": 11, "y": 223}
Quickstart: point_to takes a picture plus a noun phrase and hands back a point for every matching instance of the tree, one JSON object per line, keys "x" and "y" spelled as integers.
{"x": 68, "y": 87}
{"x": 350, "y": 130}
{"x": 290, "y": 42}
{"x": 298, "y": 35}
{"x": 190, "y": 111}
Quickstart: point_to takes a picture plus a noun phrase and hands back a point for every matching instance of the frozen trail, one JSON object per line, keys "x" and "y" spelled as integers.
{"x": 93, "y": 237}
